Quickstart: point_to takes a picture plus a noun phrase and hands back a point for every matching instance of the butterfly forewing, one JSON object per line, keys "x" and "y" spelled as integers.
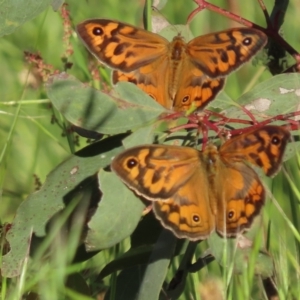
{"x": 220, "y": 53}
{"x": 174, "y": 178}
{"x": 156, "y": 172}
{"x": 121, "y": 46}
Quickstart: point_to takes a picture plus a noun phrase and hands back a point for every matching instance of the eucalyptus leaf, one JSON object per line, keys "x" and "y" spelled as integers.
{"x": 141, "y": 136}
{"x": 117, "y": 216}
{"x": 91, "y": 109}
{"x": 157, "y": 268}
{"x": 275, "y": 96}
{"x": 16, "y": 13}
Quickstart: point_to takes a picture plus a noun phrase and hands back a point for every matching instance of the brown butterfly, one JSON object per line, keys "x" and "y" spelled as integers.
{"x": 176, "y": 74}
{"x": 197, "y": 192}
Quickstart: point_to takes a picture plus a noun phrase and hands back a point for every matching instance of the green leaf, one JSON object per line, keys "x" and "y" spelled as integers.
{"x": 157, "y": 268}
{"x": 143, "y": 240}
{"x": 275, "y": 96}
{"x": 222, "y": 101}
{"x": 94, "y": 110}
{"x": 178, "y": 283}
{"x": 145, "y": 282}
{"x": 142, "y": 244}
{"x": 158, "y": 21}
{"x": 56, "y": 4}
{"x": 15, "y": 13}
{"x": 117, "y": 215}
{"x": 141, "y": 136}
{"x": 142, "y": 235}
{"x": 133, "y": 257}
{"x": 127, "y": 284}
{"x": 77, "y": 283}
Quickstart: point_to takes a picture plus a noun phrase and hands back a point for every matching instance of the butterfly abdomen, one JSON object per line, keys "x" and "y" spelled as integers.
{"x": 177, "y": 57}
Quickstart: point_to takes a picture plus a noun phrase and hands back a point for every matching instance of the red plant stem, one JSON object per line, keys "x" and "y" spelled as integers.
{"x": 203, "y": 4}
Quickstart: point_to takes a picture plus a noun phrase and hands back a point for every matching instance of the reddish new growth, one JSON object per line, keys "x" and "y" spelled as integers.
{"x": 65, "y": 14}
{"x": 43, "y": 69}
{"x": 224, "y": 127}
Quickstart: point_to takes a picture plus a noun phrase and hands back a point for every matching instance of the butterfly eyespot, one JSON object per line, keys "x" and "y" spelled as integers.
{"x": 97, "y": 31}
{"x": 131, "y": 163}
{"x": 230, "y": 215}
{"x": 247, "y": 41}
{"x": 196, "y": 218}
{"x": 185, "y": 99}
{"x": 275, "y": 140}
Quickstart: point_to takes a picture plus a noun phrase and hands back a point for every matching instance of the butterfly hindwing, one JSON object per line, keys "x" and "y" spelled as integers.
{"x": 262, "y": 147}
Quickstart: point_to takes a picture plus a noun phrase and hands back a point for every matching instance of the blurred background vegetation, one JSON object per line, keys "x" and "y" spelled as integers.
{"x": 31, "y": 145}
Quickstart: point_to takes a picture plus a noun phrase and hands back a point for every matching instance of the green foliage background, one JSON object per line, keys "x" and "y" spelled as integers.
{"x": 32, "y": 146}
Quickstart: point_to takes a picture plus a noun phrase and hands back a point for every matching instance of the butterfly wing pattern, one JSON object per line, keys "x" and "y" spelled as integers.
{"x": 176, "y": 74}
{"x": 196, "y": 192}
